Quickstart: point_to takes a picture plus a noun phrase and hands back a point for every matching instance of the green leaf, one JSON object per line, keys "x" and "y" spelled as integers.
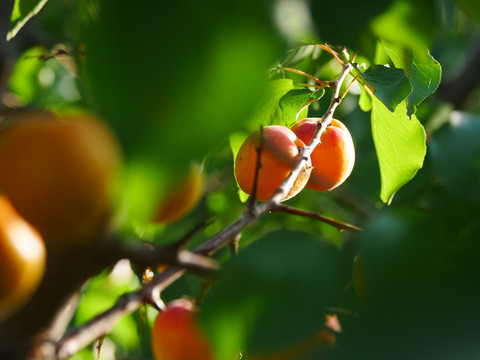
{"x": 454, "y": 150}
{"x": 23, "y": 10}
{"x": 250, "y": 305}
{"x": 391, "y": 85}
{"x": 293, "y": 102}
{"x": 424, "y": 71}
{"x": 400, "y": 147}
{"x": 267, "y": 113}
{"x": 364, "y": 100}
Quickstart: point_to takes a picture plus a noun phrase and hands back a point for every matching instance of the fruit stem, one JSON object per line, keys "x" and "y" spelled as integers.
{"x": 300, "y": 72}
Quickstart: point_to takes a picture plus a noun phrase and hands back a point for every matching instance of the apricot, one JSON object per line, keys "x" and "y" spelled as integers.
{"x": 58, "y": 174}
{"x": 279, "y": 154}
{"x": 176, "y": 334}
{"x": 22, "y": 260}
{"x": 333, "y": 158}
{"x": 183, "y": 197}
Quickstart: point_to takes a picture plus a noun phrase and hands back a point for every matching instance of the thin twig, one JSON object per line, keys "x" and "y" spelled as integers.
{"x": 315, "y": 215}
{"x": 300, "y": 72}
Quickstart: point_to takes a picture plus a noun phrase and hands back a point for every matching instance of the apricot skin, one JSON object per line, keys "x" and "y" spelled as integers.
{"x": 22, "y": 260}
{"x": 280, "y": 152}
{"x": 183, "y": 197}
{"x": 333, "y": 158}
{"x": 58, "y": 174}
{"x": 177, "y": 336}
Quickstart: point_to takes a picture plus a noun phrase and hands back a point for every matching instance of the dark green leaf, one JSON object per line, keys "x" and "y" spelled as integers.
{"x": 273, "y": 295}
{"x": 391, "y": 85}
{"x": 423, "y": 70}
{"x": 23, "y": 10}
{"x": 400, "y": 147}
{"x": 294, "y": 101}
{"x": 454, "y": 150}
{"x": 355, "y": 17}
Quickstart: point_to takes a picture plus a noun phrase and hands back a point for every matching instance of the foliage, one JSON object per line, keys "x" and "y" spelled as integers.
{"x": 180, "y": 82}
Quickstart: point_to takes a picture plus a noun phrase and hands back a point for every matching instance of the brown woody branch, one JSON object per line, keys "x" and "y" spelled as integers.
{"x": 150, "y": 293}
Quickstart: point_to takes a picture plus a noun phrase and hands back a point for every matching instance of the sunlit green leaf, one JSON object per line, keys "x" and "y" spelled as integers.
{"x": 268, "y": 112}
{"x": 294, "y": 101}
{"x": 424, "y": 71}
{"x": 400, "y": 147}
{"x": 364, "y": 100}
{"x": 23, "y": 10}
{"x": 391, "y": 85}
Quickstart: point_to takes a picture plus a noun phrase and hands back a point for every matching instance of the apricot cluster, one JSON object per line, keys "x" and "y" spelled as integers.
{"x": 332, "y": 160}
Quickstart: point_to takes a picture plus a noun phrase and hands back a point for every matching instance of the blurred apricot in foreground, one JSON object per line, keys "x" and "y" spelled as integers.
{"x": 22, "y": 260}
{"x": 58, "y": 174}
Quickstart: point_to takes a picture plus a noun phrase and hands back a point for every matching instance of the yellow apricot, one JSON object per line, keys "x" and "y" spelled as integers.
{"x": 333, "y": 158}
{"x": 279, "y": 154}
{"x": 22, "y": 260}
{"x": 183, "y": 197}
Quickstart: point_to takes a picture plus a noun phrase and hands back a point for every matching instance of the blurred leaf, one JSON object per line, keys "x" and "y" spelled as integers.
{"x": 400, "y": 147}
{"x": 454, "y": 150}
{"x": 273, "y": 295}
{"x": 391, "y": 85}
{"x": 398, "y": 249}
{"x": 424, "y": 71}
{"x": 24, "y": 80}
{"x": 294, "y": 101}
{"x": 471, "y": 8}
{"x": 409, "y": 23}
{"x": 23, "y": 10}
{"x": 174, "y": 99}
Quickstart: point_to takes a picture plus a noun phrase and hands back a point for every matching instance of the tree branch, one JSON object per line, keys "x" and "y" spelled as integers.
{"x": 314, "y": 215}
{"x": 103, "y": 323}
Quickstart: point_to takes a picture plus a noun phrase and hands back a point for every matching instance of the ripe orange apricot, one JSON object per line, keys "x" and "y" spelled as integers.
{"x": 333, "y": 158}
{"x": 22, "y": 260}
{"x": 58, "y": 174}
{"x": 183, "y": 197}
{"x": 177, "y": 336}
{"x": 279, "y": 155}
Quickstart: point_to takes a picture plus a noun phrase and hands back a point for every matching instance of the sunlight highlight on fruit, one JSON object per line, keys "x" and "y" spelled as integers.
{"x": 22, "y": 260}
